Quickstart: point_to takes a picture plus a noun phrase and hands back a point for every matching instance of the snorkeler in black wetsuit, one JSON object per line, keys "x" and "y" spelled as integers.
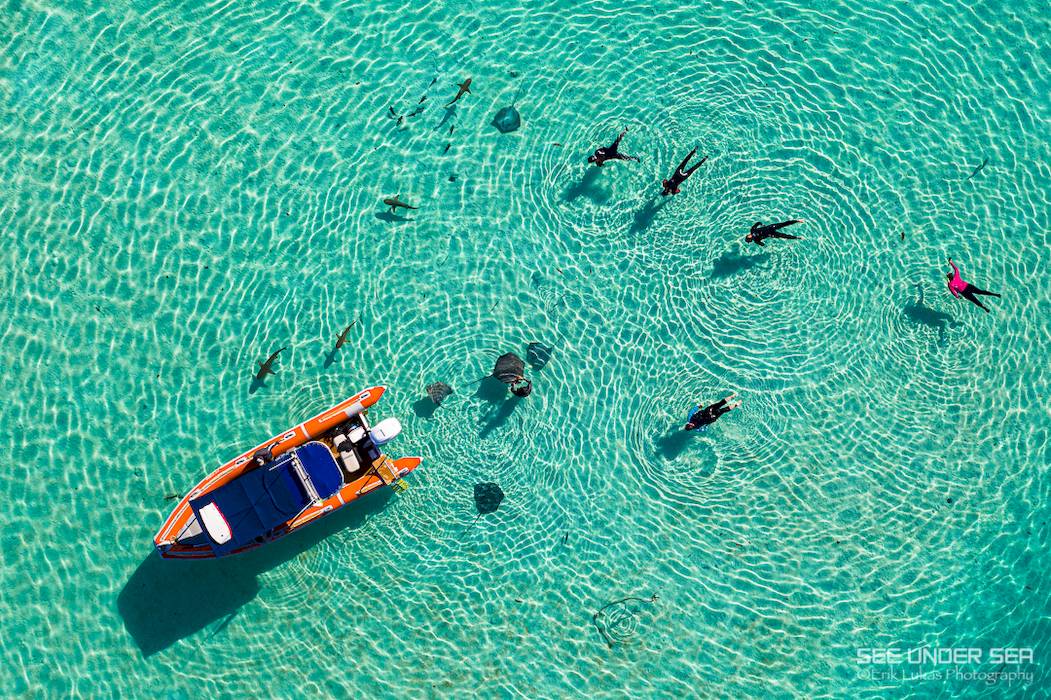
{"x": 610, "y": 153}
{"x": 701, "y": 417}
{"x": 759, "y": 232}
{"x": 671, "y": 185}
{"x": 521, "y": 387}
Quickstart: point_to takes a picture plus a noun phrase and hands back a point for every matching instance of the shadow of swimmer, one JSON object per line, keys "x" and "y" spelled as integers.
{"x": 166, "y": 600}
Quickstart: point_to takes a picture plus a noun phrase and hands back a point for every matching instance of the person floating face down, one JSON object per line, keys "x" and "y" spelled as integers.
{"x": 521, "y": 387}
{"x": 968, "y": 291}
{"x": 611, "y": 152}
{"x": 671, "y": 185}
{"x": 701, "y": 417}
{"x": 760, "y": 232}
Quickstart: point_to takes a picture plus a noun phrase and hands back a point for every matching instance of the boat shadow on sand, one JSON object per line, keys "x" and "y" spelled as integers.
{"x": 166, "y": 600}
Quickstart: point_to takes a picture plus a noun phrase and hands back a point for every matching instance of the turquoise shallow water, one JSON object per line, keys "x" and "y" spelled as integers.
{"x": 184, "y": 188}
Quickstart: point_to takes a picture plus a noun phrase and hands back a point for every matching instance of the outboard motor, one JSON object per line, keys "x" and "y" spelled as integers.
{"x": 386, "y": 430}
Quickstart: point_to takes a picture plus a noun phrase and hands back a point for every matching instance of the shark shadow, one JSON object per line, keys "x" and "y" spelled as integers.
{"x": 450, "y": 112}
{"x": 392, "y": 218}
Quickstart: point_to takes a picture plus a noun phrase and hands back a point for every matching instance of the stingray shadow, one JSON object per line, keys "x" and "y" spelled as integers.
{"x": 425, "y": 408}
{"x": 732, "y": 263}
{"x": 588, "y": 187}
{"x": 491, "y": 390}
{"x": 645, "y": 216}
{"x": 392, "y": 218}
{"x": 166, "y": 600}
{"x": 496, "y": 417}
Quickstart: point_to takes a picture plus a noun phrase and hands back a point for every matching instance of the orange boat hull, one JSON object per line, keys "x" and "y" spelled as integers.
{"x": 166, "y": 539}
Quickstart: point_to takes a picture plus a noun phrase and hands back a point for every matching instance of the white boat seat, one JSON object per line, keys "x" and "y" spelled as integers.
{"x": 347, "y": 455}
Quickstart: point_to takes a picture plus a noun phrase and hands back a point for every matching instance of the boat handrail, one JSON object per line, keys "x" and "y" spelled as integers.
{"x": 312, "y": 493}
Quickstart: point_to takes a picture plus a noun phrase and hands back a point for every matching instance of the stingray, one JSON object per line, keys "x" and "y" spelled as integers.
{"x": 487, "y": 497}
{"x": 438, "y": 392}
{"x": 508, "y": 368}
{"x": 539, "y": 355}
{"x": 507, "y": 120}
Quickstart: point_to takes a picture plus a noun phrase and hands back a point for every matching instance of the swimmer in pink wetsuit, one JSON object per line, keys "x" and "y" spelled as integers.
{"x": 965, "y": 289}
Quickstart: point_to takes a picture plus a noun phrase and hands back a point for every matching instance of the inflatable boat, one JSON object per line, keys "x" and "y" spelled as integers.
{"x": 289, "y": 481}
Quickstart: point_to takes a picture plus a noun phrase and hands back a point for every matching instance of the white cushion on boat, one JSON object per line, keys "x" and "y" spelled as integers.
{"x": 386, "y": 430}
{"x": 357, "y": 434}
{"x": 346, "y": 454}
{"x": 216, "y": 525}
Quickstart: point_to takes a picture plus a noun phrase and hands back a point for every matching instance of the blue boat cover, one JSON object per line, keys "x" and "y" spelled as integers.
{"x": 261, "y": 499}
{"x": 318, "y": 462}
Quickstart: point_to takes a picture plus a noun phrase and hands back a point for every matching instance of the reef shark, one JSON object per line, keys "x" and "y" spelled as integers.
{"x": 264, "y": 367}
{"x": 394, "y": 203}
{"x": 465, "y": 86}
{"x": 342, "y": 337}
